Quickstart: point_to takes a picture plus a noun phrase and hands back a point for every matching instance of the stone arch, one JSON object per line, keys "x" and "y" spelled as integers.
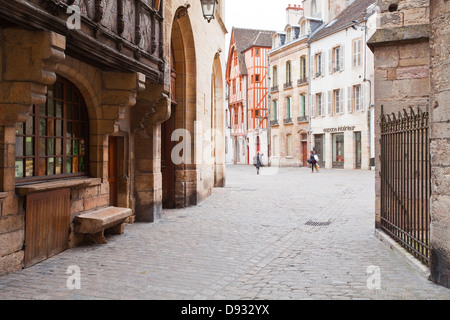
{"x": 218, "y": 121}
{"x": 180, "y": 180}
{"x": 87, "y": 79}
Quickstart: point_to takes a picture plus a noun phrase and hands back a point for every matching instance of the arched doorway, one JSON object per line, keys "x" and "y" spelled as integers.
{"x": 180, "y": 180}
{"x": 217, "y": 123}
{"x": 304, "y": 148}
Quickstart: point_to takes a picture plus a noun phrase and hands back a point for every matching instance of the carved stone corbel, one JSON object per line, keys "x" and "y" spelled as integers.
{"x": 182, "y": 11}
{"x": 31, "y": 59}
{"x": 120, "y": 17}
{"x": 99, "y": 10}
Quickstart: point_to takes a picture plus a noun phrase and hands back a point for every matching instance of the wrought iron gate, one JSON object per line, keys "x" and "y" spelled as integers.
{"x": 405, "y": 180}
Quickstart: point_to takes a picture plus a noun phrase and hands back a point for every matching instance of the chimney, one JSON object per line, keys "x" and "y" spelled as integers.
{"x": 293, "y": 14}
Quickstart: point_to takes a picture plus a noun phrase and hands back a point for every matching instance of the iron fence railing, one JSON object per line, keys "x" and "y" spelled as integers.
{"x": 406, "y": 180}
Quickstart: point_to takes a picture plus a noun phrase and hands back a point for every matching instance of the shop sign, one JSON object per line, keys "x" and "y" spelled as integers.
{"x": 340, "y": 129}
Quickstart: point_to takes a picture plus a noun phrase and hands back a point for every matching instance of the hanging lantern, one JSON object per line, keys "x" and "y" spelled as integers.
{"x": 209, "y": 9}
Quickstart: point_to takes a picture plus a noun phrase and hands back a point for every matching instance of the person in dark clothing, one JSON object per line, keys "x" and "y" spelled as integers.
{"x": 313, "y": 159}
{"x": 257, "y": 161}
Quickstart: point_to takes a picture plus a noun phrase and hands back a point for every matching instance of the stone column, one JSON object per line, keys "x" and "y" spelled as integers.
{"x": 118, "y": 95}
{"x": 440, "y": 142}
{"x": 152, "y": 108}
{"x": 28, "y": 60}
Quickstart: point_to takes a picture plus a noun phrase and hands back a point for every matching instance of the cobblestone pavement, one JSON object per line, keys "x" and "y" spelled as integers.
{"x": 258, "y": 238}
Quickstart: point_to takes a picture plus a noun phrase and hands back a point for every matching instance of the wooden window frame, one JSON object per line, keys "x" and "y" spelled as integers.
{"x": 51, "y": 117}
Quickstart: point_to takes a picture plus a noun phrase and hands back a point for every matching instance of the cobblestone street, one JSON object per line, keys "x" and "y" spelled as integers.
{"x": 278, "y": 235}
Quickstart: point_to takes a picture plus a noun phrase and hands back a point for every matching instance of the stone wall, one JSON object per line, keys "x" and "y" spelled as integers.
{"x": 412, "y": 69}
{"x": 440, "y": 141}
{"x": 402, "y": 60}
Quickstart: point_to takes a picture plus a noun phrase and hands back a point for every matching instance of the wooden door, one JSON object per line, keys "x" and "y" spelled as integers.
{"x": 112, "y": 170}
{"x": 304, "y": 153}
{"x": 167, "y": 165}
{"x": 47, "y": 221}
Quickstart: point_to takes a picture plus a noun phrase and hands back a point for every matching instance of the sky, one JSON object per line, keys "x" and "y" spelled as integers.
{"x": 256, "y": 14}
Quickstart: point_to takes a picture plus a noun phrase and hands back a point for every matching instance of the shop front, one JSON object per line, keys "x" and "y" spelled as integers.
{"x": 342, "y": 147}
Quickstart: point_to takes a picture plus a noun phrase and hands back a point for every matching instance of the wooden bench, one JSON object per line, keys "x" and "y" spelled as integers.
{"x": 94, "y": 224}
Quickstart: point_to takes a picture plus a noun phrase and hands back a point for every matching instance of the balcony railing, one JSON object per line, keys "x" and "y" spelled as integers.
{"x": 274, "y": 122}
{"x": 288, "y": 85}
{"x": 302, "y": 119}
{"x": 302, "y": 81}
{"x": 274, "y": 88}
{"x": 287, "y": 120}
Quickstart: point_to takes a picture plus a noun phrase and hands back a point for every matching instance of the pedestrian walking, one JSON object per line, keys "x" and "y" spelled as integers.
{"x": 257, "y": 161}
{"x": 313, "y": 160}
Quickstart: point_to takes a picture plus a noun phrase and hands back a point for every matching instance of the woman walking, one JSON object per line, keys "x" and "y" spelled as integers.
{"x": 313, "y": 159}
{"x": 257, "y": 161}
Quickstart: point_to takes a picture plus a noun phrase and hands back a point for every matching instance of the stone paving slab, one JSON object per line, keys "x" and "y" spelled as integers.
{"x": 292, "y": 235}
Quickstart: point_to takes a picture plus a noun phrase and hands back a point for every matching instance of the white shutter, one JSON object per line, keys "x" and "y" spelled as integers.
{"x": 341, "y": 100}
{"x": 330, "y": 61}
{"x": 342, "y": 58}
{"x": 313, "y": 112}
{"x": 330, "y": 102}
{"x": 349, "y": 99}
{"x": 359, "y": 52}
{"x": 323, "y": 63}
{"x": 361, "y": 99}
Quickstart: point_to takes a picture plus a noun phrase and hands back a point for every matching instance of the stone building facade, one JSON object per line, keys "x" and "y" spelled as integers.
{"x": 412, "y": 69}
{"x": 90, "y": 95}
{"x": 289, "y": 72}
{"x": 341, "y": 87}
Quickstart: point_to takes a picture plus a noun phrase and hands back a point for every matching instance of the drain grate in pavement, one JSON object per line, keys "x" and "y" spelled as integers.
{"x": 318, "y": 223}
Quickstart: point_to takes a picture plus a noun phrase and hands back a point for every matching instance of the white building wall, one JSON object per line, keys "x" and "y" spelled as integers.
{"x": 344, "y": 79}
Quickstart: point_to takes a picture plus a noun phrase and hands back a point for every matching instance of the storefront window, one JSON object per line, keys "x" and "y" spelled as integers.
{"x": 338, "y": 150}
{"x": 358, "y": 149}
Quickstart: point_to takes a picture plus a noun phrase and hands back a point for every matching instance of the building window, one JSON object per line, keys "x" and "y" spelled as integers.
{"x": 338, "y": 102}
{"x": 302, "y": 110}
{"x": 337, "y": 59}
{"x": 358, "y": 153}
{"x": 257, "y": 78}
{"x": 256, "y": 52}
{"x": 275, "y": 146}
{"x": 357, "y": 98}
{"x": 356, "y": 54}
{"x": 288, "y": 72}
{"x": 338, "y": 150}
{"x": 289, "y": 145}
{"x": 303, "y": 69}
{"x": 319, "y": 104}
{"x": 288, "y": 108}
{"x": 53, "y": 143}
{"x": 303, "y": 28}
{"x": 318, "y": 64}
{"x": 274, "y": 76}
{"x": 275, "y": 110}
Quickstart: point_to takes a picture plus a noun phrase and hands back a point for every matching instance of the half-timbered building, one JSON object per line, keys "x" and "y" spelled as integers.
{"x": 246, "y": 76}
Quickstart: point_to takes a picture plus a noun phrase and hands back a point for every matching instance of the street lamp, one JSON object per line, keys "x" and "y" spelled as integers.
{"x": 209, "y": 9}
